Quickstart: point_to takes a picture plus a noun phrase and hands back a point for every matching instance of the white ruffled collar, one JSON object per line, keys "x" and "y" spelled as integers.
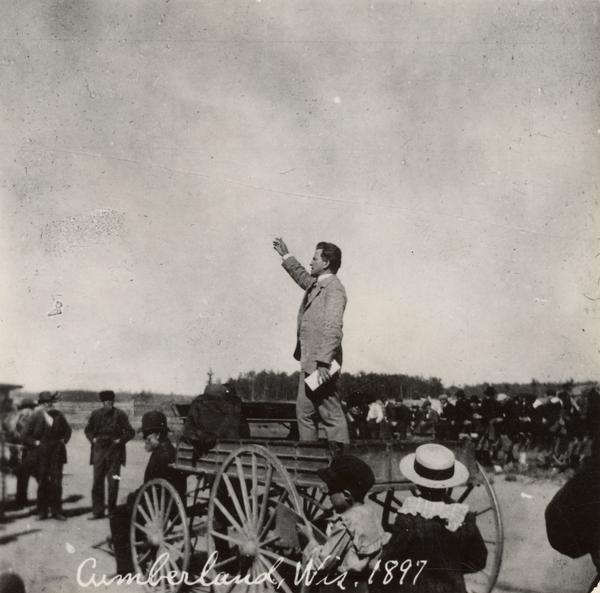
{"x": 454, "y": 514}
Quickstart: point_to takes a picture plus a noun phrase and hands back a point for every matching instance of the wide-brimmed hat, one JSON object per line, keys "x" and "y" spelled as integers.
{"x": 153, "y": 421}
{"x": 46, "y": 396}
{"x": 434, "y": 466}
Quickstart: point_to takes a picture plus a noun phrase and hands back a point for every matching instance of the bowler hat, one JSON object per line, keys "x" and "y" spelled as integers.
{"x": 46, "y": 396}
{"x": 348, "y": 472}
{"x": 434, "y": 466}
{"x": 153, "y": 421}
{"x": 107, "y": 396}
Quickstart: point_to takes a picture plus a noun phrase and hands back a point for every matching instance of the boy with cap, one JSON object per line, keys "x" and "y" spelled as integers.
{"x": 354, "y": 534}
{"x": 162, "y": 455}
{"x": 431, "y": 528}
{"x": 108, "y": 430}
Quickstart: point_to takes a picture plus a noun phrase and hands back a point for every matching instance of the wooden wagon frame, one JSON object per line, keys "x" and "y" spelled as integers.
{"x": 232, "y": 509}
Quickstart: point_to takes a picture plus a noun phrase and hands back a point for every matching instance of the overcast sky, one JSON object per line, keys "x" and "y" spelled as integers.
{"x": 152, "y": 150}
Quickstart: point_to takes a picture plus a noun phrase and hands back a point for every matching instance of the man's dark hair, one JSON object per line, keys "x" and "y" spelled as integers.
{"x": 332, "y": 253}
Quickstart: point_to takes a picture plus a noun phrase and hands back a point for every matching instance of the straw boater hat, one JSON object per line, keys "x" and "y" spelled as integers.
{"x": 434, "y": 466}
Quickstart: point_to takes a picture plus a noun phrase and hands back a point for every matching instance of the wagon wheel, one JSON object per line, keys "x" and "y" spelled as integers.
{"x": 246, "y": 493}
{"x": 482, "y": 501}
{"x": 159, "y": 535}
{"x": 316, "y": 506}
{"x": 481, "y": 498}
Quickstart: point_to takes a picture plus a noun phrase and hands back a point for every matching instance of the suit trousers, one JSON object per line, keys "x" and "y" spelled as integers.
{"x": 107, "y": 465}
{"x": 119, "y": 531}
{"x": 322, "y": 406}
{"x": 50, "y": 474}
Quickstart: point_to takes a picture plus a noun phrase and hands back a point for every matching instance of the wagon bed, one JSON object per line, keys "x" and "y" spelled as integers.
{"x": 238, "y": 486}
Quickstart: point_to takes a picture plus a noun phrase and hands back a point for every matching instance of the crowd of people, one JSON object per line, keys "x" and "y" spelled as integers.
{"x": 550, "y": 430}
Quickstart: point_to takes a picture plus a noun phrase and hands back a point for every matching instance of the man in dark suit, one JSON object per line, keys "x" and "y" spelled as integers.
{"x": 46, "y": 434}
{"x": 162, "y": 454}
{"x": 319, "y": 341}
{"x": 108, "y": 430}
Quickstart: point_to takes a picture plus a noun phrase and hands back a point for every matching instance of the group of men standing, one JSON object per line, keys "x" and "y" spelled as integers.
{"x": 43, "y": 433}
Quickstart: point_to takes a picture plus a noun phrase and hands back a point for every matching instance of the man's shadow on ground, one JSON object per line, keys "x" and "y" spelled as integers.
{"x": 13, "y": 512}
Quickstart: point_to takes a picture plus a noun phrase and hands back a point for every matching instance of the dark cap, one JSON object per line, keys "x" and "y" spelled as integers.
{"x": 107, "y": 396}
{"x": 347, "y": 472}
{"x": 153, "y": 421}
{"x": 218, "y": 389}
{"x": 489, "y": 390}
{"x": 46, "y": 396}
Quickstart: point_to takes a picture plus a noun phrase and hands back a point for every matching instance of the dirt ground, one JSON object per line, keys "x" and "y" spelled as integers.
{"x": 47, "y": 553}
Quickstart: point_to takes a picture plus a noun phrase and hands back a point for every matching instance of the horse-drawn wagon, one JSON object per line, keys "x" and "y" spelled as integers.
{"x": 236, "y": 491}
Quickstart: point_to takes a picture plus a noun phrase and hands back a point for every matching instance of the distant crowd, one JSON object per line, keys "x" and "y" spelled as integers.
{"x": 515, "y": 432}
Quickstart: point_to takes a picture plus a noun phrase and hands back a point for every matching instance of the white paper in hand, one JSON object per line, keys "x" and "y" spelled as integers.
{"x": 312, "y": 381}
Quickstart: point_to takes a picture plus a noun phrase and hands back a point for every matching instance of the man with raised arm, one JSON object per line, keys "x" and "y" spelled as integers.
{"x": 319, "y": 342}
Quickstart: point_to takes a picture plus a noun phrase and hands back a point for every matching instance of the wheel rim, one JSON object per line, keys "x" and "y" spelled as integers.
{"x": 159, "y": 529}
{"x": 483, "y": 503}
{"x": 242, "y": 513}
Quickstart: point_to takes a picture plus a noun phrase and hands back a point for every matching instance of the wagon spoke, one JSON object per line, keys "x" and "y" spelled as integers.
{"x": 173, "y": 563}
{"x": 143, "y": 556}
{"x": 234, "y": 498}
{"x": 163, "y": 494}
{"x": 144, "y": 514}
{"x": 254, "y": 491}
{"x": 269, "y": 541}
{"x": 227, "y": 514}
{"x": 265, "y": 500}
{"x": 167, "y": 511}
{"x": 173, "y": 536}
{"x": 283, "y": 559}
{"x": 269, "y": 521}
{"x": 171, "y": 549}
{"x": 271, "y": 567}
{"x": 226, "y": 561}
{"x": 486, "y": 510}
{"x": 169, "y": 527}
{"x": 155, "y": 500}
{"x": 142, "y": 528}
{"x": 242, "y": 479}
{"x": 227, "y": 538}
{"x": 149, "y": 506}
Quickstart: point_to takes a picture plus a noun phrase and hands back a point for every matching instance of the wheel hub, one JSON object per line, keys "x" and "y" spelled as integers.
{"x": 249, "y": 548}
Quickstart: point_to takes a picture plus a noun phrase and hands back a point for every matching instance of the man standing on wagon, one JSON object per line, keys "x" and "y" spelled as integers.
{"x": 319, "y": 342}
{"x": 108, "y": 430}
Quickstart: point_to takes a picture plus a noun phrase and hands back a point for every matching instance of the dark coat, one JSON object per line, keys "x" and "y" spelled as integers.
{"x": 118, "y": 428}
{"x": 159, "y": 466}
{"x": 573, "y": 514}
{"x": 212, "y": 417}
{"x": 449, "y": 554}
{"x": 52, "y": 439}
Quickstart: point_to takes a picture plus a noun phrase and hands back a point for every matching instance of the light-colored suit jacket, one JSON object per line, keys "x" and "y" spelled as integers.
{"x": 320, "y": 318}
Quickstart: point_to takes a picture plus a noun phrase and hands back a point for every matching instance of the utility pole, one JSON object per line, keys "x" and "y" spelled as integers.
{"x": 210, "y": 376}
